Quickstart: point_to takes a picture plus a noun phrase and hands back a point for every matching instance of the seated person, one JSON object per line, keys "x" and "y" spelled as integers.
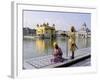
{"x": 57, "y": 53}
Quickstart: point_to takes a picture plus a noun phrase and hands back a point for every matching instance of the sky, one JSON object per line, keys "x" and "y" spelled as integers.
{"x": 62, "y": 20}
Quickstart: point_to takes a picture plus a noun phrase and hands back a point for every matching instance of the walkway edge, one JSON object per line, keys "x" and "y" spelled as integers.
{"x": 69, "y": 62}
{"x": 75, "y": 61}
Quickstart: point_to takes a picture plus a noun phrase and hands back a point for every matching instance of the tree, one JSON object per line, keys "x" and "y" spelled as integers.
{"x": 47, "y": 24}
{"x": 37, "y": 25}
{"x": 44, "y": 24}
{"x": 84, "y": 24}
{"x": 53, "y": 25}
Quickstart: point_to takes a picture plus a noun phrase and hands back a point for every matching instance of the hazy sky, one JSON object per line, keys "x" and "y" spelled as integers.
{"x": 62, "y": 20}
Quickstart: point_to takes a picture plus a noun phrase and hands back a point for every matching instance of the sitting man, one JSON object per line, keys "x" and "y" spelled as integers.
{"x": 57, "y": 53}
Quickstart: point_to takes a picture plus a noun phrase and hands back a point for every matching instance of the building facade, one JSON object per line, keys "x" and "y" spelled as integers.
{"x": 45, "y": 31}
{"x": 84, "y": 32}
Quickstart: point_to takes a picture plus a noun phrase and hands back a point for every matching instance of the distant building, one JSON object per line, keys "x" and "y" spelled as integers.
{"x": 61, "y": 33}
{"x": 29, "y": 32}
{"x": 84, "y": 32}
{"x": 25, "y": 31}
{"x": 45, "y": 31}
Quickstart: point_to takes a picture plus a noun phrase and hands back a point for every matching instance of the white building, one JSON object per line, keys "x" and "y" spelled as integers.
{"x": 84, "y": 32}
